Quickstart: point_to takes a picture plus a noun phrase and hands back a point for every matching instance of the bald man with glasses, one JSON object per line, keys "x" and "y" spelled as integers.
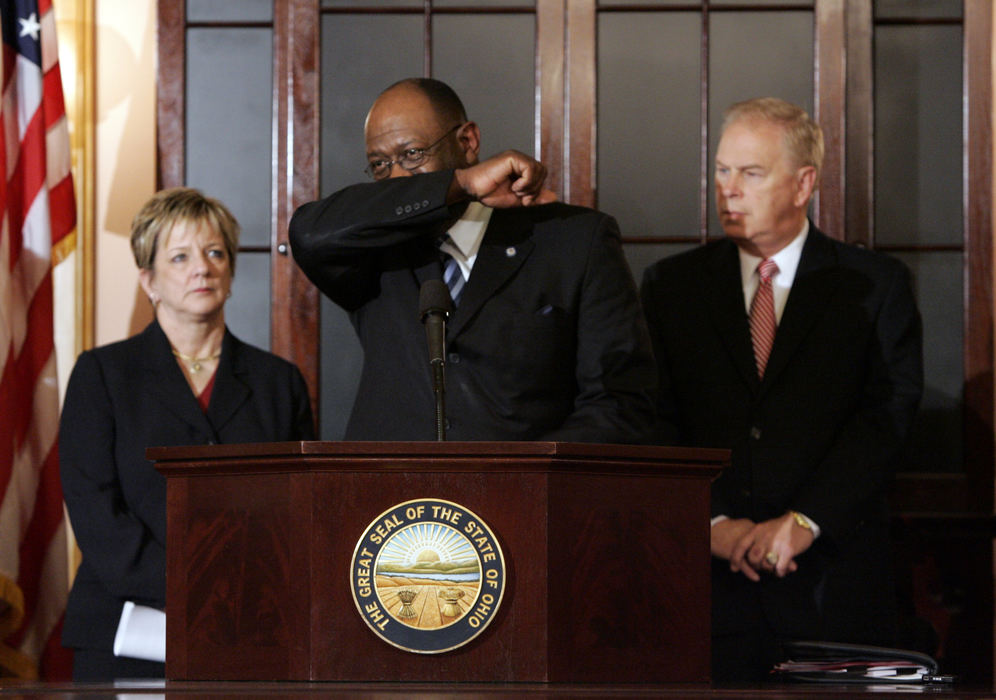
{"x": 547, "y": 339}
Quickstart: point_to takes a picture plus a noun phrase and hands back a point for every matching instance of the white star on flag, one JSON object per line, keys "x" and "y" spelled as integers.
{"x": 30, "y": 26}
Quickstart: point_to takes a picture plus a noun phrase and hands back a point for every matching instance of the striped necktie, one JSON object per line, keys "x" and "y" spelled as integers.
{"x": 453, "y": 277}
{"x": 762, "y": 315}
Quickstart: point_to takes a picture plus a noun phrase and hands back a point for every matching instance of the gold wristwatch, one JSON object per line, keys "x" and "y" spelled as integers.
{"x": 801, "y": 521}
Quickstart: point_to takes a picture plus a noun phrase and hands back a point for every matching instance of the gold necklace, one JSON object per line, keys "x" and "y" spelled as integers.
{"x": 195, "y": 362}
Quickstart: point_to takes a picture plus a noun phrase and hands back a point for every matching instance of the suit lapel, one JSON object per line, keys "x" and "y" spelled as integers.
{"x": 728, "y": 313}
{"x": 427, "y": 265}
{"x": 503, "y": 251}
{"x": 808, "y": 301}
{"x": 166, "y": 382}
{"x": 230, "y": 388}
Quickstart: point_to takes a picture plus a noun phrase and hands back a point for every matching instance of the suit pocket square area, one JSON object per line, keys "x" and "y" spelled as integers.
{"x": 551, "y": 311}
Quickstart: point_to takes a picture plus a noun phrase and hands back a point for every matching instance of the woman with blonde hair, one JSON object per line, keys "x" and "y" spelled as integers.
{"x": 184, "y": 380}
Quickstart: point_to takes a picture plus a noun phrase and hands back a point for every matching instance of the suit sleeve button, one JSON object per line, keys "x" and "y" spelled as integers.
{"x": 454, "y": 358}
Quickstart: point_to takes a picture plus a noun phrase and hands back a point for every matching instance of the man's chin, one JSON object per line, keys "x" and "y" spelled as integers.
{"x": 743, "y": 239}
{"x": 734, "y": 230}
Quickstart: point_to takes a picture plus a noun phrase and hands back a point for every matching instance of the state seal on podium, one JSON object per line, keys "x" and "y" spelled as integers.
{"x": 427, "y": 576}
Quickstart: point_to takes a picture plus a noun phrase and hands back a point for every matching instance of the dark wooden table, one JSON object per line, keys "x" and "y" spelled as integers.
{"x": 209, "y": 690}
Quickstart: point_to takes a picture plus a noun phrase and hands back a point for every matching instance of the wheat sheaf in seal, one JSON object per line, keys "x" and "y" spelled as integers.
{"x": 428, "y": 576}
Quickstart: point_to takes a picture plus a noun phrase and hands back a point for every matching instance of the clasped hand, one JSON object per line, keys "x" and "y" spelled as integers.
{"x": 510, "y": 179}
{"x": 752, "y": 548}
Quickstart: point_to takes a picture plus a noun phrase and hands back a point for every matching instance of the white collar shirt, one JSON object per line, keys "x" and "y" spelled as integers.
{"x": 465, "y": 236}
{"x": 787, "y": 260}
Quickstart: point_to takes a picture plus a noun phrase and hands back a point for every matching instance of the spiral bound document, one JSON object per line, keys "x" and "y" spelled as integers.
{"x": 827, "y": 662}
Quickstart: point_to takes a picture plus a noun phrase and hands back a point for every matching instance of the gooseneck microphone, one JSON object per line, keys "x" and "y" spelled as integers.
{"x": 435, "y": 305}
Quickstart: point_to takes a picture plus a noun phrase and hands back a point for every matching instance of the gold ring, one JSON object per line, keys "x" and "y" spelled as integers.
{"x": 771, "y": 558}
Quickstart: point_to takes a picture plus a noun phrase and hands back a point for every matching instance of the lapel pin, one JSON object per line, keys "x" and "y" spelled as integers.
{"x": 510, "y": 252}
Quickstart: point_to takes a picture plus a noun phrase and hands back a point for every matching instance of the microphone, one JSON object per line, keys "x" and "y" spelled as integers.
{"x": 435, "y": 305}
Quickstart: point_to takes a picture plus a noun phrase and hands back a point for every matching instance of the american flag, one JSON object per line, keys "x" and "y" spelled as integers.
{"x": 38, "y": 211}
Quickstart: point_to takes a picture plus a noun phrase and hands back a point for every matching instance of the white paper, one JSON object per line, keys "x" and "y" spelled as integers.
{"x": 141, "y": 633}
{"x": 906, "y": 671}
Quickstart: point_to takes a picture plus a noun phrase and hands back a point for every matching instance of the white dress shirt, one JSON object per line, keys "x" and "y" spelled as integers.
{"x": 787, "y": 260}
{"x": 465, "y": 236}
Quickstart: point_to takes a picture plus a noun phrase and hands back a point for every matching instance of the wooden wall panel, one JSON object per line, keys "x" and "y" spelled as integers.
{"x": 580, "y": 99}
{"x": 830, "y": 83}
{"x": 858, "y": 172}
{"x": 978, "y": 348}
{"x": 170, "y": 103}
{"x": 550, "y": 89}
{"x": 295, "y": 317}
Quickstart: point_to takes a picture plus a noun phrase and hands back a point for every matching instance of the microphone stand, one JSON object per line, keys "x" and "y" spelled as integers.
{"x": 439, "y": 389}
{"x": 435, "y": 305}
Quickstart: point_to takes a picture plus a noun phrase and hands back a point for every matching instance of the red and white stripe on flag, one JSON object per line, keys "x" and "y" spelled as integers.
{"x": 38, "y": 211}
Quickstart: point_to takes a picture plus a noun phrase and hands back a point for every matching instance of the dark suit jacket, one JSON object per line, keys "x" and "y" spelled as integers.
{"x": 548, "y": 342}
{"x": 121, "y": 399}
{"x": 820, "y": 434}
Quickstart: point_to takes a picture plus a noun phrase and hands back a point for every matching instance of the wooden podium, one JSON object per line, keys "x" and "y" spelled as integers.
{"x": 606, "y": 551}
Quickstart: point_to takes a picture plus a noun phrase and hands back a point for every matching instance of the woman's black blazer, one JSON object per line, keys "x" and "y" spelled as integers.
{"x": 121, "y": 399}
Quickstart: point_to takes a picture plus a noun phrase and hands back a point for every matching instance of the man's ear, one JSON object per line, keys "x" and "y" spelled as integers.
{"x": 469, "y": 142}
{"x": 806, "y": 181}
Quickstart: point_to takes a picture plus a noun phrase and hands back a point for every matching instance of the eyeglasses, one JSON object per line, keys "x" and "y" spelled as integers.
{"x": 411, "y": 159}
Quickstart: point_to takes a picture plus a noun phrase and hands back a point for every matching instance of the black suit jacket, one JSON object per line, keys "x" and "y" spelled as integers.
{"x": 121, "y": 399}
{"x": 548, "y": 342}
{"x": 820, "y": 434}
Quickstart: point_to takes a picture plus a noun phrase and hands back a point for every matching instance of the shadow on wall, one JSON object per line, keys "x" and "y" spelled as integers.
{"x": 126, "y": 116}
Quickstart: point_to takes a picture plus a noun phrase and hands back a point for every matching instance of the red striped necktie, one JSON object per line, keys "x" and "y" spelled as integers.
{"x": 762, "y": 315}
